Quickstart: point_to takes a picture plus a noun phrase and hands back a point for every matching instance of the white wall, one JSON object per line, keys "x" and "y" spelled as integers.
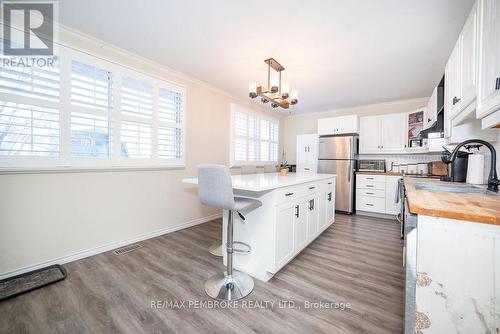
{"x": 51, "y": 215}
{"x": 308, "y": 123}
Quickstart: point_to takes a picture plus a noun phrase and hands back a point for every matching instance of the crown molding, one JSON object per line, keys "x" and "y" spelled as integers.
{"x": 342, "y": 110}
{"x": 79, "y": 41}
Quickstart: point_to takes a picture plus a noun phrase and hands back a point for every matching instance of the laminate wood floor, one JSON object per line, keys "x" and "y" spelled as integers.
{"x": 356, "y": 261}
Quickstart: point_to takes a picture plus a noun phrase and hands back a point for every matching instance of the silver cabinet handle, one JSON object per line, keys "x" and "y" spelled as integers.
{"x": 329, "y": 182}
{"x": 297, "y": 211}
{"x": 329, "y": 197}
{"x": 288, "y": 194}
{"x": 497, "y": 84}
{"x": 369, "y": 186}
{"x": 311, "y": 188}
{"x": 311, "y": 205}
{"x": 369, "y": 178}
{"x": 368, "y": 204}
{"x": 369, "y": 193}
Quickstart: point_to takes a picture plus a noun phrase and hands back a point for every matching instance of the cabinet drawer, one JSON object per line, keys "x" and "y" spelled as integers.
{"x": 289, "y": 194}
{"x": 370, "y": 185}
{"x": 372, "y": 204}
{"x": 370, "y": 178}
{"x": 371, "y": 193}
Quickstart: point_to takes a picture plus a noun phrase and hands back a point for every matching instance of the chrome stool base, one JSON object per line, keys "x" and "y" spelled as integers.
{"x": 216, "y": 250}
{"x": 224, "y": 287}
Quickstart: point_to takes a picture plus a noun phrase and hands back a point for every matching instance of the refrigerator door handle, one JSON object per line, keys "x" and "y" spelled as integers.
{"x": 350, "y": 149}
{"x": 350, "y": 171}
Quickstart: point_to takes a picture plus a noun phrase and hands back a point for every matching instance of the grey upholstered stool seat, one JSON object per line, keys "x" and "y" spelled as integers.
{"x": 215, "y": 190}
{"x": 243, "y": 203}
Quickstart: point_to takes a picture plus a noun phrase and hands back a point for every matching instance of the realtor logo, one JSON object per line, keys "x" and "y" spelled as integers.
{"x": 28, "y": 28}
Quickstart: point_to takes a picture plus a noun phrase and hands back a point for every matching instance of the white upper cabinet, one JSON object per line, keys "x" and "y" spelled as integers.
{"x": 461, "y": 70}
{"x": 469, "y": 46}
{"x": 338, "y": 125}
{"x": 382, "y": 134}
{"x": 453, "y": 82}
{"x": 489, "y": 59}
{"x": 369, "y": 134}
{"x": 431, "y": 110}
{"x": 393, "y": 132}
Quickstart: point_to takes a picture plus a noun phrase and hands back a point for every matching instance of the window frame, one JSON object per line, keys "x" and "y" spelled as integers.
{"x": 259, "y": 116}
{"x": 65, "y": 161}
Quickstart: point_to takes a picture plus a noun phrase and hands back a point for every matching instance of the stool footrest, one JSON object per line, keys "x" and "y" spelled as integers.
{"x": 242, "y": 251}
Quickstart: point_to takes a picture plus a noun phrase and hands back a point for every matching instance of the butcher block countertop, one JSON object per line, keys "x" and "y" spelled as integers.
{"x": 477, "y": 208}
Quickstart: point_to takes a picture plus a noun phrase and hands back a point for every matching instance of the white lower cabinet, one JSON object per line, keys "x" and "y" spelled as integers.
{"x": 391, "y": 191}
{"x": 377, "y": 193}
{"x": 300, "y": 225}
{"x": 313, "y": 217}
{"x": 284, "y": 234}
{"x": 301, "y": 217}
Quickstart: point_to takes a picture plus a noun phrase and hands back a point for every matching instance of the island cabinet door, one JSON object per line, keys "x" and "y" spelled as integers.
{"x": 329, "y": 200}
{"x": 313, "y": 217}
{"x": 300, "y": 225}
{"x": 284, "y": 235}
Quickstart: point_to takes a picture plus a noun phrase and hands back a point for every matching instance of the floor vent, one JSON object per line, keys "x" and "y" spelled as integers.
{"x": 127, "y": 249}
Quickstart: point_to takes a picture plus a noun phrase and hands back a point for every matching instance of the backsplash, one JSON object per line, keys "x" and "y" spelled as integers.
{"x": 401, "y": 158}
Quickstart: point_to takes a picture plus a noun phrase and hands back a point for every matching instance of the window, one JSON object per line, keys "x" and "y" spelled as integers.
{"x": 29, "y": 112}
{"x": 92, "y": 104}
{"x": 104, "y": 116}
{"x": 254, "y": 139}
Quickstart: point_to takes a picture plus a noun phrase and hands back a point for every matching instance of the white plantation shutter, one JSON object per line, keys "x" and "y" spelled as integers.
{"x": 29, "y": 112}
{"x": 28, "y": 130}
{"x": 104, "y": 116}
{"x": 91, "y": 87}
{"x": 241, "y": 133}
{"x": 136, "y": 140}
{"x": 170, "y": 118}
{"x": 274, "y": 141}
{"x": 170, "y": 106}
{"x": 137, "y": 98}
{"x": 32, "y": 82}
{"x": 169, "y": 143}
{"x": 254, "y": 139}
{"x": 91, "y": 124}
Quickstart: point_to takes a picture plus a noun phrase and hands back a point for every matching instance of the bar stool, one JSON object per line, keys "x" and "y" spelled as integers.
{"x": 270, "y": 169}
{"x": 248, "y": 169}
{"x": 215, "y": 189}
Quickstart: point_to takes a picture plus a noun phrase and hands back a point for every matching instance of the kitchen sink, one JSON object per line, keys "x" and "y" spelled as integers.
{"x": 455, "y": 188}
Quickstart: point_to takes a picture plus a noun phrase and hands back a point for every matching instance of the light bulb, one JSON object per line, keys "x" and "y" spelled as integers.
{"x": 285, "y": 92}
{"x": 274, "y": 84}
{"x": 294, "y": 97}
{"x": 252, "y": 90}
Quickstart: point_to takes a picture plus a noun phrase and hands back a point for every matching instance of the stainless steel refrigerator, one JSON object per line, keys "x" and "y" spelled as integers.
{"x": 337, "y": 155}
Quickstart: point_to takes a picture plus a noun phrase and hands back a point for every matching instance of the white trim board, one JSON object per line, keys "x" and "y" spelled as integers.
{"x": 346, "y": 110}
{"x": 110, "y": 246}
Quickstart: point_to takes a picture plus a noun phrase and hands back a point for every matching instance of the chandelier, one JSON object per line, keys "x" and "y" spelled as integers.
{"x": 279, "y": 95}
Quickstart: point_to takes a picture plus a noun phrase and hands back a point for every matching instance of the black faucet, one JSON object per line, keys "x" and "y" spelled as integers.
{"x": 493, "y": 181}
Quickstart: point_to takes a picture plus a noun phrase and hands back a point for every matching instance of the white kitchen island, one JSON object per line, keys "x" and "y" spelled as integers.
{"x": 295, "y": 210}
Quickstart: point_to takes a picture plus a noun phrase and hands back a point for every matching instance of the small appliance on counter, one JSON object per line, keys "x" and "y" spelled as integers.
{"x": 371, "y": 166}
{"x": 437, "y": 168}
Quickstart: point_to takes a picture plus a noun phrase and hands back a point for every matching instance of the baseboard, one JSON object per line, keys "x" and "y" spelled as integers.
{"x": 109, "y": 246}
{"x": 375, "y": 214}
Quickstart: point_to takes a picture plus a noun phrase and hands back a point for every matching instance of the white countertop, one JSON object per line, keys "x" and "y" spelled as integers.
{"x": 269, "y": 181}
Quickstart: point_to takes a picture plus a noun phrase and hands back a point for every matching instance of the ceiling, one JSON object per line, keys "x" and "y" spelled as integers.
{"x": 337, "y": 53}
